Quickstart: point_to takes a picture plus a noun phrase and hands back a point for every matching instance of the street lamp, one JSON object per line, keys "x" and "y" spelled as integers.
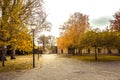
{"x": 33, "y": 32}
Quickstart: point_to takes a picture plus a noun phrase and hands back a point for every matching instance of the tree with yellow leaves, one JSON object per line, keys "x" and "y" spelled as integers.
{"x": 14, "y": 15}
{"x": 73, "y": 30}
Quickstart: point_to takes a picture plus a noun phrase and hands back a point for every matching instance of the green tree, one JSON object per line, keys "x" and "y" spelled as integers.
{"x": 111, "y": 39}
{"x": 91, "y": 39}
{"x": 96, "y": 38}
{"x": 115, "y": 27}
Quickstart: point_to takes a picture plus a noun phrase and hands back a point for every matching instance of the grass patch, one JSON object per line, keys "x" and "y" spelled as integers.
{"x": 91, "y": 58}
{"x": 20, "y": 63}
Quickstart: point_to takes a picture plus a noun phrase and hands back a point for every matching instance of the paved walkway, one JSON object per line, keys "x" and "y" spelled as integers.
{"x": 53, "y": 67}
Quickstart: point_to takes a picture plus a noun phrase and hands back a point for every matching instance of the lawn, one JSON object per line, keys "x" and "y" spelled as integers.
{"x": 101, "y": 58}
{"x": 20, "y": 63}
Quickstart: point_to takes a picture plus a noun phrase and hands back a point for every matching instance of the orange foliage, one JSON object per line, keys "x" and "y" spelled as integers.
{"x": 73, "y": 29}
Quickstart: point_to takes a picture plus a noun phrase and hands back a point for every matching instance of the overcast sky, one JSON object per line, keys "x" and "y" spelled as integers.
{"x": 99, "y": 11}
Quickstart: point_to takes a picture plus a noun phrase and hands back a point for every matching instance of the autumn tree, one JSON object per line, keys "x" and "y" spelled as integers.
{"x": 73, "y": 30}
{"x": 22, "y": 41}
{"x": 60, "y": 43}
{"x": 14, "y": 17}
{"x": 115, "y": 23}
{"x": 115, "y": 27}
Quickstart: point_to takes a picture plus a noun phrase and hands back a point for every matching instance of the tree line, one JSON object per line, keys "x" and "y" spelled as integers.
{"x": 76, "y": 33}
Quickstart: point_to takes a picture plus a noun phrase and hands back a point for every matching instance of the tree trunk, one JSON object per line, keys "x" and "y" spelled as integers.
{"x": 118, "y": 51}
{"x": 4, "y": 51}
{"x": 13, "y": 54}
{"x": 43, "y": 47}
{"x": 80, "y": 52}
{"x": 95, "y": 53}
{"x": 0, "y": 55}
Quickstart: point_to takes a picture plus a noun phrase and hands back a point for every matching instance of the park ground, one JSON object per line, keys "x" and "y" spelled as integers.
{"x": 54, "y": 67}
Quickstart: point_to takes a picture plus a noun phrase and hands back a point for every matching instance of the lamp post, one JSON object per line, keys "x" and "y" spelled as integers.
{"x": 33, "y": 33}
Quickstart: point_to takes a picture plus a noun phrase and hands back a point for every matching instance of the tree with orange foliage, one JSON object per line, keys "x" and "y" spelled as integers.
{"x": 73, "y": 30}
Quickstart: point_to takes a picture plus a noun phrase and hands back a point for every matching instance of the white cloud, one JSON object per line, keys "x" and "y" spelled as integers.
{"x": 60, "y": 10}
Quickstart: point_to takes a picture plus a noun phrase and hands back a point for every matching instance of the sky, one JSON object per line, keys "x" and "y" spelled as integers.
{"x": 99, "y": 12}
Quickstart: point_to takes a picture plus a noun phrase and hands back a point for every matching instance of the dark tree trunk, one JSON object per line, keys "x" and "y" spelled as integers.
{"x": 0, "y": 55}
{"x": 118, "y": 51}
{"x": 4, "y": 52}
{"x": 96, "y": 53}
{"x": 13, "y": 54}
{"x": 80, "y": 52}
{"x": 71, "y": 50}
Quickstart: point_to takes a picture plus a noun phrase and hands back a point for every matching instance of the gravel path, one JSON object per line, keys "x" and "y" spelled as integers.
{"x": 53, "y": 67}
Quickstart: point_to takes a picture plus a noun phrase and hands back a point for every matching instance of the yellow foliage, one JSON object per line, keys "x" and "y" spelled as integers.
{"x": 74, "y": 29}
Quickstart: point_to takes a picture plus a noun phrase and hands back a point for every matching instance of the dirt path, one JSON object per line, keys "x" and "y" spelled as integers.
{"x": 53, "y": 67}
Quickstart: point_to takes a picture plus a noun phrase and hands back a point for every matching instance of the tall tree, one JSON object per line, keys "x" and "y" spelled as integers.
{"x": 44, "y": 40}
{"x": 115, "y": 24}
{"x": 51, "y": 41}
{"x": 14, "y": 17}
{"x": 73, "y": 29}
